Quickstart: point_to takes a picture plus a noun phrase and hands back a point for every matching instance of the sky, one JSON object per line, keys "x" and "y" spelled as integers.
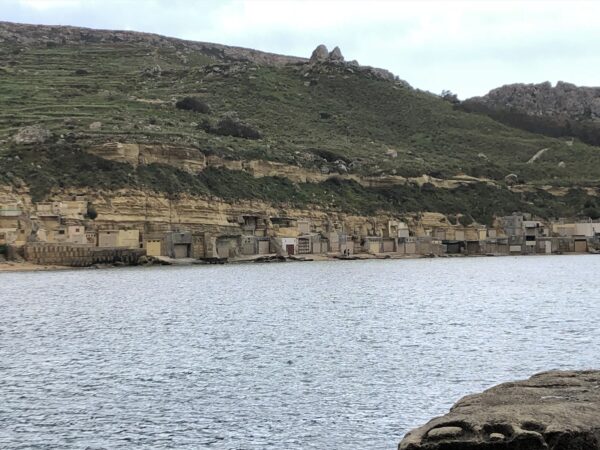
{"x": 467, "y": 47}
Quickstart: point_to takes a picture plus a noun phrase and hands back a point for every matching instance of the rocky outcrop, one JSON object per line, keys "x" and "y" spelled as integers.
{"x": 186, "y": 158}
{"x": 33, "y": 134}
{"x": 319, "y": 54}
{"x": 555, "y": 410}
{"x": 564, "y": 99}
{"x": 336, "y": 55}
{"x": 31, "y": 35}
{"x": 231, "y": 125}
{"x": 563, "y": 110}
{"x": 324, "y": 61}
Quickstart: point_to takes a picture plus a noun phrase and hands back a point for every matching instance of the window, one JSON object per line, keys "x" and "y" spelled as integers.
{"x": 61, "y": 231}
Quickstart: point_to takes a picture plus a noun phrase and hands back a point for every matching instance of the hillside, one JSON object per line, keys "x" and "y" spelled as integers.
{"x": 285, "y": 131}
{"x": 561, "y": 110}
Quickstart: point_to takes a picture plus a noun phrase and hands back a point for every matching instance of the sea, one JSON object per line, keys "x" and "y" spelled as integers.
{"x": 295, "y": 355}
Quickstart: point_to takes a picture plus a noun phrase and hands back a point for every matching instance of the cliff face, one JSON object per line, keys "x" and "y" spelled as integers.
{"x": 153, "y": 212}
{"x": 551, "y": 411}
{"x": 564, "y": 99}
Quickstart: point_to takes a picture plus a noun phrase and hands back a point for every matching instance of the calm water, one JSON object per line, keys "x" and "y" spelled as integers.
{"x": 336, "y": 355}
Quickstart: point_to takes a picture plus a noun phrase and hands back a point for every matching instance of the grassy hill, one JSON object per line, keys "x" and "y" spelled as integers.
{"x": 327, "y": 116}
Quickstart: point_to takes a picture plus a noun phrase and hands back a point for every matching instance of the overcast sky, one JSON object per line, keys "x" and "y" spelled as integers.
{"x": 468, "y": 47}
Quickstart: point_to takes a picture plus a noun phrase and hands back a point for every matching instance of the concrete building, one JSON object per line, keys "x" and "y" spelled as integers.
{"x": 391, "y": 229}
{"x": 119, "y": 238}
{"x": 495, "y": 246}
{"x": 68, "y": 209}
{"x": 253, "y": 225}
{"x": 407, "y": 246}
{"x": 588, "y": 229}
{"x": 76, "y": 234}
{"x": 429, "y": 246}
{"x": 14, "y": 229}
{"x": 289, "y": 245}
{"x": 346, "y": 244}
{"x": 512, "y": 225}
{"x": 371, "y": 244}
{"x": 178, "y": 244}
{"x": 333, "y": 242}
{"x": 533, "y": 230}
{"x": 108, "y": 238}
{"x": 228, "y": 246}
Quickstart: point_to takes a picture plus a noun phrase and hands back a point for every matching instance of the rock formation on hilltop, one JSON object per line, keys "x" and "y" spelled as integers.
{"x": 52, "y": 35}
{"x": 551, "y": 410}
{"x": 336, "y": 55}
{"x": 564, "y": 99}
{"x": 562, "y": 110}
{"x": 321, "y": 54}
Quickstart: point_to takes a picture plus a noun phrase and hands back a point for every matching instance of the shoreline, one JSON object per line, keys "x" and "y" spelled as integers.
{"x": 24, "y": 266}
{"x": 14, "y": 266}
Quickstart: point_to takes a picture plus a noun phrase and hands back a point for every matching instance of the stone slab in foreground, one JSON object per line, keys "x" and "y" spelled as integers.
{"x": 551, "y": 410}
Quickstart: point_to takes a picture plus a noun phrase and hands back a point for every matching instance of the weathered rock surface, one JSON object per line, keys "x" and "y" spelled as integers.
{"x": 564, "y": 99}
{"x": 319, "y": 54}
{"x": 24, "y": 34}
{"x": 555, "y": 410}
{"x": 336, "y": 55}
{"x": 33, "y": 134}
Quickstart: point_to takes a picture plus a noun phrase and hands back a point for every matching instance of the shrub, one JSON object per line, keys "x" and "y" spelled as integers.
{"x": 91, "y": 212}
{"x": 465, "y": 220}
{"x": 193, "y": 104}
{"x": 328, "y": 155}
{"x": 592, "y": 213}
{"x": 450, "y": 97}
{"x": 229, "y": 126}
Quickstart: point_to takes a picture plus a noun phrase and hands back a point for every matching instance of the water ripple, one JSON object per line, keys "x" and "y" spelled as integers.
{"x": 322, "y": 355}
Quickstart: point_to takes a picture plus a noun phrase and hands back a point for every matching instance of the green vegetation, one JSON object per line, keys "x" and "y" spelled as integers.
{"x": 325, "y": 116}
{"x": 193, "y": 104}
{"x": 586, "y": 129}
{"x": 91, "y": 212}
{"x": 68, "y": 165}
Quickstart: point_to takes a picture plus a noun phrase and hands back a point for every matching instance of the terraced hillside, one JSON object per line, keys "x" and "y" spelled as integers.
{"x": 361, "y": 140}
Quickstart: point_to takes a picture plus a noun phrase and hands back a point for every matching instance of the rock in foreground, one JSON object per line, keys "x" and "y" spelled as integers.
{"x": 551, "y": 410}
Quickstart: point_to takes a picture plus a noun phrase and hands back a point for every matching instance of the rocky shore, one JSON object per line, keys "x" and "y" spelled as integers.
{"x": 557, "y": 410}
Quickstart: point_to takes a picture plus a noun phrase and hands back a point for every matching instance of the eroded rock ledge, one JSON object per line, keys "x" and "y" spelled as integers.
{"x": 554, "y": 410}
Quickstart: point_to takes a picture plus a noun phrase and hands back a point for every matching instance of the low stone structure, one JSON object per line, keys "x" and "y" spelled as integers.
{"x": 557, "y": 410}
{"x": 75, "y": 255}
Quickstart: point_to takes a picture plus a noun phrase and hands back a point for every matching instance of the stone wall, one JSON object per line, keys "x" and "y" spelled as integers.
{"x": 78, "y": 255}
